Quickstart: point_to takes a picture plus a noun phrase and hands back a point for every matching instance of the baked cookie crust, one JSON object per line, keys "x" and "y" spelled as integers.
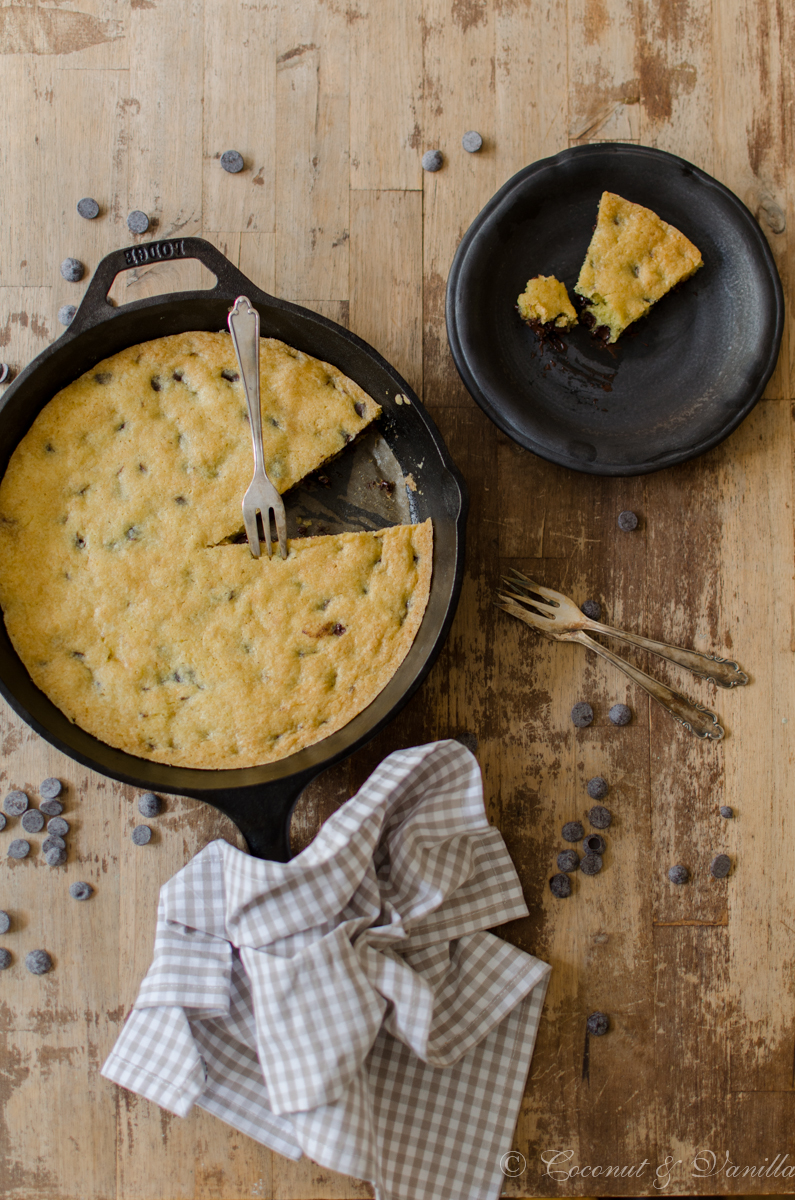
{"x": 634, "y": 258}
{"x": 125, "y": 607}
{"x": 546, "y": 300}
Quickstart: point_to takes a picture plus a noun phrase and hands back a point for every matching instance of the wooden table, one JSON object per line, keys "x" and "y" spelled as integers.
{"x": 332, "y": 103}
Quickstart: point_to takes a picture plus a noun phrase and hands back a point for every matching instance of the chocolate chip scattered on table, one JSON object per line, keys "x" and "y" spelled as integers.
{"x": 32, "y": 821}
{"x": 5, "y": 959}
{"x": 149, "y": 804}
{"x": 678, "y": 874}
{"x": 627, "y": 521}
{"x": 568, "y": 860}
{"x": 597, "y": 787}
{"x": 560, "y": 886}
{"x": 599, "y": 816}
{"x": 5, "y": 372}
{"x": 594, "y": 843}
{"x": 5, "y": 922}
{"x": 582, "y": 715}
{"x": 51, "y": 808}
{"x": 50, "y": 788}
{"x": 66, "y": 314}
{"x": 88, "y": 208}
{"x": 137, "y": 221}
{"x": 38, "y": 962}
{"x": 80, "y": 890}
{"x": 591, "y": 864}
{"x": 620, "y": 714}
{"x": 19, "y": 848}
{"x": 55, "y": 857}
{"x": 52, "y": 842}
{"x": 720, "y": 866}
{"x": 432, "y": 160}
{"x": 72, "y": 270}
{"x": 2, "y": 821}
{"x": 726, "y": 811}
{"x": 472, "y": 141}
{"x": 598, "y": 1024}
{"x": 572, "y": 831}
{"x": 232, "y": 161}
{"x": 141, "y": 835}
{"x": 592, "y": 610}
{"x": 15, "y": 804}
{"x": 57, "y": 825}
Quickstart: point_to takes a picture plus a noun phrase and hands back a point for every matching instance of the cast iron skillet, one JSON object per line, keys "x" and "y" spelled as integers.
{"x": 258, "y": 799}
{"x": 678, "y": 381}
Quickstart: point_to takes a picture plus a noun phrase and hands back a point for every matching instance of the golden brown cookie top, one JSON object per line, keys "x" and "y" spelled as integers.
{"x": 546, "y": 300}
{"x": 634, "y": 258}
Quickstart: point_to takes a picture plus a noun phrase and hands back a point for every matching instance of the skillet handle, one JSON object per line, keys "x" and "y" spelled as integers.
{"x": 95, "y": 306}
{"x": 262, "y": 814}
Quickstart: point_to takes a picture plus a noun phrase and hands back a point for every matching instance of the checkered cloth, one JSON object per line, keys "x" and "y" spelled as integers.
{"x": 349, "y": 1004}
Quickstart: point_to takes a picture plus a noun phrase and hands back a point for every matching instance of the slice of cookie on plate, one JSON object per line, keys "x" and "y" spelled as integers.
{"x": 634, "y": 258}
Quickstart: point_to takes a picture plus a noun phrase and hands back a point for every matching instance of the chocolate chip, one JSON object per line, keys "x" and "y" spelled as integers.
{"x": 55, "y": 857}
{"x": 32, "y": 821}
{"x": 2, "y": 821}
{"x": 592, "y": 609}
{"x": 137, "y": 221}
{"x": 358, "y": 408}
{"x": 678, "y": 874}
{"x": 15, "y": 804}
{"x": 103, "y": 377}
{"x": 726, "y": 811}
{"x": 88, "y": 208}
{"x": 720, "y": 866}
{"x": 50, "y": 788}
{"x": 230, "y": 376}
{"x": 627, "y": 521}
{"x": 5, "y": 922}
{"x": 591, "y": 864}
{"x": 80, "y": 891}
{"x": 19, "y": 848}
{"x": 597, "y": 788}
{"x": 560, "y": 886}
{"x": 58, "y": 826}
{"x": 472, "y": 141}
{"x": 5, "y": 960}
{"x": 582, "y": 715}
{"x": 598, "y": 1024}
{"x": 72, "y": 269}
{"x": 599, "y": 816}
{"x": 141, "y": 835}
{"x": 66, "y": 314}
{"x": 149, "y": 804}
{"x": 5, "y": 372}
{"x": 595, "y": 844}
{"x": 52, "y": 842}
{"x": 620, "y": 714}
{"x": 432, "y": 161}
{"x": 232, "y": 161}
{"x": 572, "y": 831}
{"x": 51, "y": 808}
{"x": 568, "y": 860}
{"x": 38, "y": 962}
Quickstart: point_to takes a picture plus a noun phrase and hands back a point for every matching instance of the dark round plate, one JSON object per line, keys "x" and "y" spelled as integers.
{"x": 678, "y": 381}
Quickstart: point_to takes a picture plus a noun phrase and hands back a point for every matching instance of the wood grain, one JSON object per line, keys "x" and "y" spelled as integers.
{"x": 332, "y": 103}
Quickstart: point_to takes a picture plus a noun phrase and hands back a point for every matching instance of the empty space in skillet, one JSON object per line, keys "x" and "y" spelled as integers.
{"x": 678, "y": 380}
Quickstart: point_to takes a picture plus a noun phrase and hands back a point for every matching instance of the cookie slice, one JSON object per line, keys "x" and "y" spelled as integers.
{"x": 634, "y": 258}
{"x": 546, "y": 301}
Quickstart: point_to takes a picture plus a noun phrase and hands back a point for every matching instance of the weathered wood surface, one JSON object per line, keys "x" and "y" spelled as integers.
{"x": 332, "y": 103}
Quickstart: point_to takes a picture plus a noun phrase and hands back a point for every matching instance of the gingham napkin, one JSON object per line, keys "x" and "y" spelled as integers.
{"x": 349, "y": 1004}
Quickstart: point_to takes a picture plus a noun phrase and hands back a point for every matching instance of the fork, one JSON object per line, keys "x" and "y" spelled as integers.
{"x": 566, "y": 616}
{"x": 694, "y": 717}
{"x": 261, "y": 496}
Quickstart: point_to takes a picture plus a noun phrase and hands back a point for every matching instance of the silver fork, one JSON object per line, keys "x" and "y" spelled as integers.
{"x": 570, "y": 625}
{"x": 261, "y": 496}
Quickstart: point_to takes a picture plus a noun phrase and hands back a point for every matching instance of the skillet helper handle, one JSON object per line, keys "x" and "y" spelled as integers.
{"x": 699, "y": 720}
{"x": 95, "y": 306}
{"x": 262, "y": 813}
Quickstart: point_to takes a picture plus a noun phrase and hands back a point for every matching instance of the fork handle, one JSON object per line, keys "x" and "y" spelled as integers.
{"x": 243, "y": 324}
{"x": 721, "y": 671}
{"x": 699, "y": 720}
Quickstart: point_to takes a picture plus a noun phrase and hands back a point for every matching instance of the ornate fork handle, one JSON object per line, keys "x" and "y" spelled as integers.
{"x": 699, "y": 720}
{"x": 721, "y": 671}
